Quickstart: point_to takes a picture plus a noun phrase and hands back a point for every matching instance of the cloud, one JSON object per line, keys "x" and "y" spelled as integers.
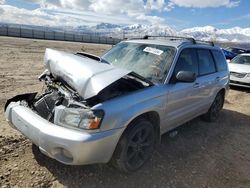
{"x": 205, "y": 4}
{"x": 117, "y": 6}
{"x": 90, "y": 12}
{"x": 78, "y": 12}
{"x": 107, "y": 6}
{"x": 66, "y": 4}
{"x": 169, "y": 6}
{"x": 53, "y": 16}
{"x": 13, "y": 14}
{"x": 155, "y": 5}
{"x": 244, "y": 17}
{"x": 34, "y": 1}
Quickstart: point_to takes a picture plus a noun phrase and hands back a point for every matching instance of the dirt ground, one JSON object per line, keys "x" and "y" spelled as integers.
{"x": 200, "y": 155}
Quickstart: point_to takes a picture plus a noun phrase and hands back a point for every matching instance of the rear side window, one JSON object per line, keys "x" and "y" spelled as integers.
{"x": 219, "y": 60}
{"x": 187, "y": 61}
{"x": 206, "y": 62}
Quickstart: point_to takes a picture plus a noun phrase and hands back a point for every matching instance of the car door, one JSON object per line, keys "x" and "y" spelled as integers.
{"x": 208, "y": 78}
{"x": 183, "y": 98}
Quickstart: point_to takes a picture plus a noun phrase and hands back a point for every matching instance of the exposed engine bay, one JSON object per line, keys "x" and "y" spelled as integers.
{"x": 59, "y": 93}
{"x": 74, "y": 86}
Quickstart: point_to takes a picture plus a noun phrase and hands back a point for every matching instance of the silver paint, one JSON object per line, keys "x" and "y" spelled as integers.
{"x": 174, "y": 103}
{"x": 88, "y": 77}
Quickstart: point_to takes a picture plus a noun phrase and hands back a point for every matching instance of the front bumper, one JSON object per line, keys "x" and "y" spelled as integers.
{"x": 68, "y": 146}
{"x": 243, "y": 82}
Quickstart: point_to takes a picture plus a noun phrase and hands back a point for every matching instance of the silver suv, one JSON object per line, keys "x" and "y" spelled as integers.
{"x": 115, "y": 108}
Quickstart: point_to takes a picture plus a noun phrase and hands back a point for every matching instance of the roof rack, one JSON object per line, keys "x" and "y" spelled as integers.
{"x": 170, "y": 37}
{"x": 206, "y": 42}
{"x": 178, "y": 37}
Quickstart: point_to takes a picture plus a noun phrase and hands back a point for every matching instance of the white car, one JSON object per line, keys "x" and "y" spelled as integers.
{"x": 239, "y": 69}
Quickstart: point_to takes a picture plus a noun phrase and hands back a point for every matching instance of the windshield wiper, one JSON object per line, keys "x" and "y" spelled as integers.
{"x": 141, "y": 78}
{"x": 104, "y": 61}
{"x": 91, "y": 56}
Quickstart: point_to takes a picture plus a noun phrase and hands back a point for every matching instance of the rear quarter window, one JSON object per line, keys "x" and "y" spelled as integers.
{"x": 206, "y": 62}
{"x": 220, "y": 61}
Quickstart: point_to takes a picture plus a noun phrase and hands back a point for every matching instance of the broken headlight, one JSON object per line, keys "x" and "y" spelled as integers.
{"x": 78, "y": 118}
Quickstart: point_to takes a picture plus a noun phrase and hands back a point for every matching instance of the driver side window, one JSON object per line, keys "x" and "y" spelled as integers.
{"x": 187, "y": 61}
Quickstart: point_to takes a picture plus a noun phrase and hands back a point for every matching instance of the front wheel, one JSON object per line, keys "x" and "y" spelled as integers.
{"x": 217, "y": 105}
{"x": 135, "y": 147}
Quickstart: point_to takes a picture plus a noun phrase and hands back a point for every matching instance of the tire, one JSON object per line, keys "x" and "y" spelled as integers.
{"x": 135, "y": 146}
{"x": 214, "y": 110}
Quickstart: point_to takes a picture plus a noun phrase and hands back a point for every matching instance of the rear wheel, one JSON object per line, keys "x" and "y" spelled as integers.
{"x": 135, "y": 147}
{"x": 217, "y": 105}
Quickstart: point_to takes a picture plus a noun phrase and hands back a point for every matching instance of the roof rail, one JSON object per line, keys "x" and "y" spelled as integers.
{"x": 170, "y": 37}
{"x": 178, "y": 37}
{"x": 206, "y": 42}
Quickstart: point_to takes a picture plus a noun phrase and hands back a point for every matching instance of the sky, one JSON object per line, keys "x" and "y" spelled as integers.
{"x": 178, "y": 14}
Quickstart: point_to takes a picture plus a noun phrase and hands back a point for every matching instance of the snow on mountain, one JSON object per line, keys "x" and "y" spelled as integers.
{"x": 138, "y": 30}
{"x": 235, "y": 30}
{"x": 135, "y": 26}
{"x": 235, "y": 34}
{"x": 135, "y": 30}
{"x": 206, "y": 29}
{"x": 107, "y": 26}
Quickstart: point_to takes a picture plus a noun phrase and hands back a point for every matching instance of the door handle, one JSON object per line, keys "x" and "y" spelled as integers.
{"x": 217, "y": 79}
{"x": 196, "y": 85}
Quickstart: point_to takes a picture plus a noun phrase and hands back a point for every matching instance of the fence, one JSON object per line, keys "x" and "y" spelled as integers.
{"x": 24, "y": 32}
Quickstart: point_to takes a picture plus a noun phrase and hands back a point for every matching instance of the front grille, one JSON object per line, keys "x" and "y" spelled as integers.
{"x": 238, "y": 75}
{"x": 240, "y": 83}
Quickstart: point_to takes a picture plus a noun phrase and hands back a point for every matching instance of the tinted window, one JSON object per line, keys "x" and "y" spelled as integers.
{"x": 236, "y": 50}
{"x": 219, "y": 60}
{"x": 206, "y": 62}
{"x": 241, "y": 59}
{"x": 187, "y": 61}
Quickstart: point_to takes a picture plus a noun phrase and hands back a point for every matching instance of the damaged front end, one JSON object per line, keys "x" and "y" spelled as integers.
{"x": 74, "y": 85}
{"x": 57, "y": 108}
{"x": 64, "y": 121}
{"x": 58, "y": 126}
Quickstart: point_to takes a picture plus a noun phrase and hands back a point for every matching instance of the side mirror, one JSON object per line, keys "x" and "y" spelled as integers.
{"x": 185, "y": 76}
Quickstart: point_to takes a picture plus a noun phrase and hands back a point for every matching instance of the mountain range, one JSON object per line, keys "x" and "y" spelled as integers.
{"x": 118, "y": 31}
{"x": 235, "y": 34}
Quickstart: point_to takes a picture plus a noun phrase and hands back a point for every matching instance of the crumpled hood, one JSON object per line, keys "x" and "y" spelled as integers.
{"x": 233, "y": 67}
{"x": 88, "y": 77}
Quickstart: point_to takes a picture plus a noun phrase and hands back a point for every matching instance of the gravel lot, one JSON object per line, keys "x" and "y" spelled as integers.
{"x": 200, "y": 155}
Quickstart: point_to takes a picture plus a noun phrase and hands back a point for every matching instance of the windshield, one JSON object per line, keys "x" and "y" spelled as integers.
{"x": 244, "y": 60}
{"x": 148, "y": 60}
{"x": 235, "y": 50}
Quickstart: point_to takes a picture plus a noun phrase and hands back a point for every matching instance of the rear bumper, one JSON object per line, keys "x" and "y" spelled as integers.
{"x": 68, "y": 146}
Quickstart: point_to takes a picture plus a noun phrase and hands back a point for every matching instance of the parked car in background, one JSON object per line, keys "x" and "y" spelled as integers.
{"x": 229, "y": 55}
{"x": 237, "y": 50}
{"x": 239, "y": 69}
{"x": 232, "y": 52}
{"x": 115, "y": 108}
